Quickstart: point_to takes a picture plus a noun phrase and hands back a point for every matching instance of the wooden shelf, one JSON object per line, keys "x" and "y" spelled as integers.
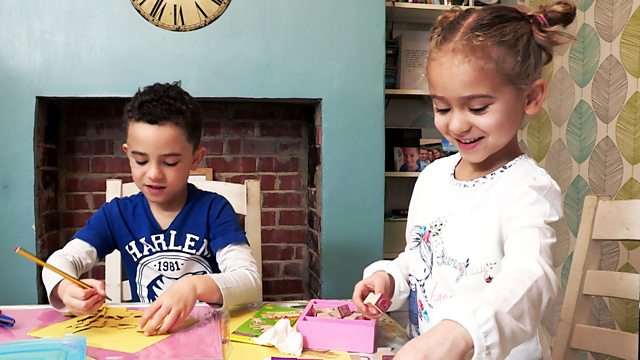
{"x": 415, "y": 13}
{"x": 406, "y": 93}
{"x": 396, "y": 221}
{"x": 401, "y": 174}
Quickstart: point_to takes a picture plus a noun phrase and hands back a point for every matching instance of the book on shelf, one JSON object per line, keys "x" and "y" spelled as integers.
{"x": 391, "y": 65}
{"x": 266, "y": 316}
{"x": 412, "y": 58}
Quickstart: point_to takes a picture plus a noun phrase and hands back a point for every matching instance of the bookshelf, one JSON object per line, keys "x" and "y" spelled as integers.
{"x": 406, "y": 93}
{"x": 401, "y": 174}
{"x": 415, "y": 13}
{"x": 408, "y": 116}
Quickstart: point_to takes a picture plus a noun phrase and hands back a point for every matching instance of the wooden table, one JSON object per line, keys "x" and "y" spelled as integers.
{"x": 192, "y": 342}
{"x": 195, "y": 342}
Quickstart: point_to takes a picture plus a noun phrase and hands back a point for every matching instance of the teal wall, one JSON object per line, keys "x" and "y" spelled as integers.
{"x": 329, "y": 49}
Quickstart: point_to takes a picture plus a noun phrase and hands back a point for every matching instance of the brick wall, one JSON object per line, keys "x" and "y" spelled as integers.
{"x": 78, "y": 146}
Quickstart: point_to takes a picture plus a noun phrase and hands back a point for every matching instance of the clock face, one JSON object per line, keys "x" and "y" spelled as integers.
{"x": 180, "y": 15}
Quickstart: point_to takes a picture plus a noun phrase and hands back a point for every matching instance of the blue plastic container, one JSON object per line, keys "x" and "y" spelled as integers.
{"x": 69, "y": 347}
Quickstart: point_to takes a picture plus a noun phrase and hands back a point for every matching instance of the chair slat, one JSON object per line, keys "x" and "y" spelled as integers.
{"x": 602, "y": 219}
{"x": 129, "y": 189}
{"x": 605, "y": 341}
{"x": 617, "y": 220}
{"x": 236, "y": 194}
{"x": 612, "y": 284}
{"x": 114, "y": 189}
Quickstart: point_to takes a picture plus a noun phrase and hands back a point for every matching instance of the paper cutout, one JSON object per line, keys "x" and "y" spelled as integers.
{"x": 110, "y": 328}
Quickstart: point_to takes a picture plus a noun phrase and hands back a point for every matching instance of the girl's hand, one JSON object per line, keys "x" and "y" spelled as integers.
{"x": 168, "y": 312}
{"x": 447, "y": 340}
{"x": 79, "y": 301}
{"x": 378, "y": 282}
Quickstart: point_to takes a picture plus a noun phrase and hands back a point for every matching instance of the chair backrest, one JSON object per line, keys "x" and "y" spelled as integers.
{"x": 602, "y": 220}
{"x": 201, "y": 174}
{"x": 245, "y": 199}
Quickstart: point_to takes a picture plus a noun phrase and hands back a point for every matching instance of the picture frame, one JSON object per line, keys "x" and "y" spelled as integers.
{"x": 407, "y": 159}
{"x": 432, "y": 149}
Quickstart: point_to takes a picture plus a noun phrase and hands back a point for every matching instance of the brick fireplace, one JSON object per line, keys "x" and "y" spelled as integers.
{"x": 277, "y": 141}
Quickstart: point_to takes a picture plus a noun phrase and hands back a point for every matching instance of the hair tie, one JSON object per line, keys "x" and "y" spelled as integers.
{"x": 542, "y": 20}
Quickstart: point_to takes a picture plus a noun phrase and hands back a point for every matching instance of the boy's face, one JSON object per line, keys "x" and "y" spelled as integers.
{"x": 424, "y": 154}
{"x": 410, "y": 155}
{"x": 161, "y": 159}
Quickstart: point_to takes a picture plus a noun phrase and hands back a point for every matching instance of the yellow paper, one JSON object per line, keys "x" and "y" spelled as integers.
{"x": 112, "y": 329}
{"x": 239, "y": 350}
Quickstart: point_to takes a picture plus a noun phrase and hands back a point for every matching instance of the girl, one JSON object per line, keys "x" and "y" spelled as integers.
{"x": 477, "y": 268}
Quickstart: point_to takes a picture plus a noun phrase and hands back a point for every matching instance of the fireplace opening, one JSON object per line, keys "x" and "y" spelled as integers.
{"x": 277, "y": 141}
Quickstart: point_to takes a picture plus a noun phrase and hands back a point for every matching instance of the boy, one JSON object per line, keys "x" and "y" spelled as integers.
{"x": 179, "y": 244}
{"x": 411, "y": 157}
{"x": 424, "y": 157}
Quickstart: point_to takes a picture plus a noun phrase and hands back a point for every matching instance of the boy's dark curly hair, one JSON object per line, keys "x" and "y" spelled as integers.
{"x": 159, "y": 104}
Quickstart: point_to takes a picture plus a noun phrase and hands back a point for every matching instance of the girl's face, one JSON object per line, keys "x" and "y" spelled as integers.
{"x": 478, "y": 111}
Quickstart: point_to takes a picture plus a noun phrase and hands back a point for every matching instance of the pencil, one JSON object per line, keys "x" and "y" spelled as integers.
{"x": 31, "y": 257}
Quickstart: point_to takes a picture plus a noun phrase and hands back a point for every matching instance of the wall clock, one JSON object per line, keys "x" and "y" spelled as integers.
{"x": 180, "y": 15}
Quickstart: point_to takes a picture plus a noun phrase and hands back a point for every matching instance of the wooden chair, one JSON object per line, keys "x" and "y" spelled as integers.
{"x": 245, "y": 199}
{"x": 602, "y": 219}
{"x": 201, "y": 174}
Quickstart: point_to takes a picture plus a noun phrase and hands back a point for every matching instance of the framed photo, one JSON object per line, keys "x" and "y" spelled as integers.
{"x": 407, "y": 159}
{"x": 433, "y": 149}
{"x": 395, "y": 140}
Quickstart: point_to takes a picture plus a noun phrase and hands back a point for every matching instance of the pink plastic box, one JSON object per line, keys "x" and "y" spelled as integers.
{"x": 336, "y": 334}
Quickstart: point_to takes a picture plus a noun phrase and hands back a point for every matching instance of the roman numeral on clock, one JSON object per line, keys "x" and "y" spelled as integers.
{"x": 158, "y": 6}
{"x": 200, "y": 10}
{"x": 177, "y": 15}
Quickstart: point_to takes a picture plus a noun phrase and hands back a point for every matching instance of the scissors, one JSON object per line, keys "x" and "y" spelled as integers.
{"x": 6, "y": 321}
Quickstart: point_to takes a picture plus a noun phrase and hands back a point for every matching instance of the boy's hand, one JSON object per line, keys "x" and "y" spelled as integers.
{"x": 168, "y": 312}
{"x": 81, "y": 301}
{"x": 446, "y": 340}
{"x": 378, "y": 282}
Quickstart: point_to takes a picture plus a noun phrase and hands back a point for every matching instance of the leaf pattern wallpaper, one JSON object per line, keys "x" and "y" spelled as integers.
{"x": 581, "y": 132}
{"x": 609, "y": 89}
{"x": 584, "y": 55}
{"x": 539, "y": 135}
{"x": 628, "y": 130}
{"x": 593, "y": 112}
{"x": 561, "y": 97}
{"x": 629, "y": 44}
{"x": 610, "y": 17}
{"x": 559, "y": 164}
{"x": 605, "y": 168}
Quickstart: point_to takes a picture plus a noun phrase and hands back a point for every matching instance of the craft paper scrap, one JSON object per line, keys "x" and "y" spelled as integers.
{"x": 110, "y": 328}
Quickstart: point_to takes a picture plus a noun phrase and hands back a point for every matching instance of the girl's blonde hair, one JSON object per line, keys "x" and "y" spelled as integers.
{"x": 516, "y": 40}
